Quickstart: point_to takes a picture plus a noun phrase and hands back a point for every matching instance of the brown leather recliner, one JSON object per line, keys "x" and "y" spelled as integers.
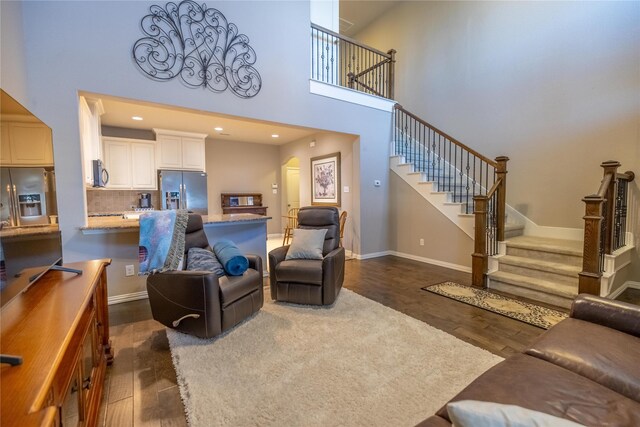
{"x": 199, "y": 302}
{"x": 310, "y": 281}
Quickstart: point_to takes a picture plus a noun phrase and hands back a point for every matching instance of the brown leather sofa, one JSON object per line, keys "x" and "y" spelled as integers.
{"x": 199, "y": 302}
{"x": 585, "y": 369}
{"x": 310, "y": 281}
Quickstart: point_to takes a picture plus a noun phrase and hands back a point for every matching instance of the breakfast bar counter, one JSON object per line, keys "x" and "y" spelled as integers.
{"x": 117, "y": 223}
{"x": 247, "y": 231}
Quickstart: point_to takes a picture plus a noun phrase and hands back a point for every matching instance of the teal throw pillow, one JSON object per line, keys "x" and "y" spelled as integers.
{"x": 306, "y": 244}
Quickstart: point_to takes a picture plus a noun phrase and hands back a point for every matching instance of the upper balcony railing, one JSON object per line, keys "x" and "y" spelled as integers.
{"x": 341, "y": 61}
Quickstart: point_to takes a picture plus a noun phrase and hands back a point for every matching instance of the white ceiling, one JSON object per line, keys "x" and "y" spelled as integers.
{"x": 361, "y": 13}
{"x": 118, "y": 112}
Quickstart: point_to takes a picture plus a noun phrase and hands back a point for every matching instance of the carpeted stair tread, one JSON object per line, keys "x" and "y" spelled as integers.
{"x": 555, "y": 288}
{"x": 543, "y": 244}
{"x": 535, "y": 264}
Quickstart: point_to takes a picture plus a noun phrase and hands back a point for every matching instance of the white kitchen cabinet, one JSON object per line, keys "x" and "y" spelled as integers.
{"x": 5, "y": 147}
{"x": 169, "y": 154}
{"x": 90, "y": 110}
{"x": 130, "y": 164}
{"x": 180, "y": 150}
{"x": 26, "y": 144}
{"x": 143, "y": 166}
{"x": 117, "y": 162}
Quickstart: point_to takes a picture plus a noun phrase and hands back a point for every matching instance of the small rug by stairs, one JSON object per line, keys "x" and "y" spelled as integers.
{"x": 357, "y": 363}
{"x": 529, "y": 313}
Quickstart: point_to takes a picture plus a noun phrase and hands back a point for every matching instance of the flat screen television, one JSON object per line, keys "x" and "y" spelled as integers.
{"x": 30, "y": 240}
{"x": 24, "y": 259}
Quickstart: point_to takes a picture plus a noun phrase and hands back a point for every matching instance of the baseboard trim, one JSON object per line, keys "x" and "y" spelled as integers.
{"x": 432, "y": 261}
{"x": 134, "y": 296}
{"x": 371, "y": 255}
{"x": 626, "y": 285}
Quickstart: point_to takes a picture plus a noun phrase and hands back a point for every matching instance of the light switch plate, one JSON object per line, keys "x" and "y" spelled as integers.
{"x": 129, "y": 270}
{"x": 274, "y": 191}
{"x": 346, "y": 189}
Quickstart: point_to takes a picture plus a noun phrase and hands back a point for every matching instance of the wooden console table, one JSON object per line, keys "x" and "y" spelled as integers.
{"x": 233, "y": 203}
{"x": 60, "y": 327}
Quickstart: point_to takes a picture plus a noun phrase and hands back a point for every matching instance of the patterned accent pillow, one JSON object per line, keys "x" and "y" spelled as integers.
{"x": 199, "y": 259}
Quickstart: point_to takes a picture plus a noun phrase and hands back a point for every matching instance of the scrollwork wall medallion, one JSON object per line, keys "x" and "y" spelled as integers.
{"x": 199, "y": 45}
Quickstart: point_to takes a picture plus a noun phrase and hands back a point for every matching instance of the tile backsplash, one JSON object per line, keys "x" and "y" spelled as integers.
{"x": 110, "y": 201}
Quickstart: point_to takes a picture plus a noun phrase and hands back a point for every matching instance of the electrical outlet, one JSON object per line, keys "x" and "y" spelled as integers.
{"x": 128, "y": 270}
{"x": 421, "y": 242}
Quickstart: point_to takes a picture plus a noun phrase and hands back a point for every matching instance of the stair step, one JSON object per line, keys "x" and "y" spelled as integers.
{"x": 553, "y": 250}
{"x": 545, "y": 270}
{"x": 547, "y": 286}
{"x": 555, "y": 293}
{"x": 513, "y": 230}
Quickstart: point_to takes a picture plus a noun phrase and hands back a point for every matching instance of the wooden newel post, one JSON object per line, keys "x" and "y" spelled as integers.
{"x": 480, "y": 261}
{"x": 392, "y": 73}
{"x": 501, "y": 208}
{"x": 610, "y": 167}
{"x": 589, "y": 277}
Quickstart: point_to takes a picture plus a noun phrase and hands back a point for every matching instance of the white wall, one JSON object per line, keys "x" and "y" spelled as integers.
{"x": 553, "y": 85}
{"x": 244, "y": 167}
{"x": 326, "y": 143}
{"x": 73, "y": 46}
{"x": 13, "y": 78}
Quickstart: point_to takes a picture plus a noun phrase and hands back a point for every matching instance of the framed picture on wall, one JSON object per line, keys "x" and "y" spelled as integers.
{"x": 325, "y": 180}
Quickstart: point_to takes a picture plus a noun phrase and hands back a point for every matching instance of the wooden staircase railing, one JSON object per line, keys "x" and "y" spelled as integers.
{"x": 490, "y": 213}
{"x": 342, "y": 61}
{"x": 474, "y": 180}
{"x": 604, "y": 225}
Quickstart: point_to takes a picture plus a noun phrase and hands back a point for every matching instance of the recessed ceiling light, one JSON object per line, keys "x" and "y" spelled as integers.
{"x": 138, "y": 118}
{"x": 275, "y": 135}
{"x": 219, "y": 129}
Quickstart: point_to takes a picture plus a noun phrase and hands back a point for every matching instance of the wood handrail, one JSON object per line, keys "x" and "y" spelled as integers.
{"x": 627, "y": 176}
{"x": 493, "y": 189}
{"x": 366, "y": 86}
{"x": 450, "y": 138}
{"x": 604, "y": 185}
{"x": 373, "y": 67}
{"x": 350, "y": 40}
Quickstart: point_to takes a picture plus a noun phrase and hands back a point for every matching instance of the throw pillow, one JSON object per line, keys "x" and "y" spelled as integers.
{"x": 199, "y": 259}
{"x": 467, "y": 413}
{"x": 231, "y": 257}
{"x": 306, "y": 244}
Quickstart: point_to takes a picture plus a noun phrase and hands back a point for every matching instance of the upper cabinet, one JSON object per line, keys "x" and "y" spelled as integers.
{"x": 90, "y": 110}
{"x": 130, "y": 163}
{"x": 180, "y": 150}
{"x": 25, "y": 144}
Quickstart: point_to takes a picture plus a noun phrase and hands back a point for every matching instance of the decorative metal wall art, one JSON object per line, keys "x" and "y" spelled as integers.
{"x": 199, "y": 45}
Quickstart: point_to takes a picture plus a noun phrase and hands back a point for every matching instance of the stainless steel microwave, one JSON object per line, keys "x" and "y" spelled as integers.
{"x": 100, "y": 174}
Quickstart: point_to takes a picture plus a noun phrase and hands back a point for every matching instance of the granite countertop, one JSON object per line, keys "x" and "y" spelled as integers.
{"x": 32, "y": 230}
{"x": 118, "y": 223}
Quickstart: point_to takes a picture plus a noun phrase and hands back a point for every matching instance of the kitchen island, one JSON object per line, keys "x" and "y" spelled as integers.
{"x": 247, "y": 231}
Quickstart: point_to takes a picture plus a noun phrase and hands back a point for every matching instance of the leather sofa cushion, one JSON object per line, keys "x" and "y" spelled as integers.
{"x": 532, "y": 383}
{"x": 232, "y": 288}
{"x": 308, "y": 271}
{"x": 604, "y": 355}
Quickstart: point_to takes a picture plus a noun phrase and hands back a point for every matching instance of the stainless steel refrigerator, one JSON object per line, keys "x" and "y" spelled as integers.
{"x": 183, "y": 190}
{"x": 28, "y": 195}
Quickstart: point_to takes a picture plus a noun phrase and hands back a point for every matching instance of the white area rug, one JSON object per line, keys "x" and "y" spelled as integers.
{"x": 357, "y": 363}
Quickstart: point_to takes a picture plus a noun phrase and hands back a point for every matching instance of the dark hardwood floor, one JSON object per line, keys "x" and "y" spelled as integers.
{"x": 141, "y": 386}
